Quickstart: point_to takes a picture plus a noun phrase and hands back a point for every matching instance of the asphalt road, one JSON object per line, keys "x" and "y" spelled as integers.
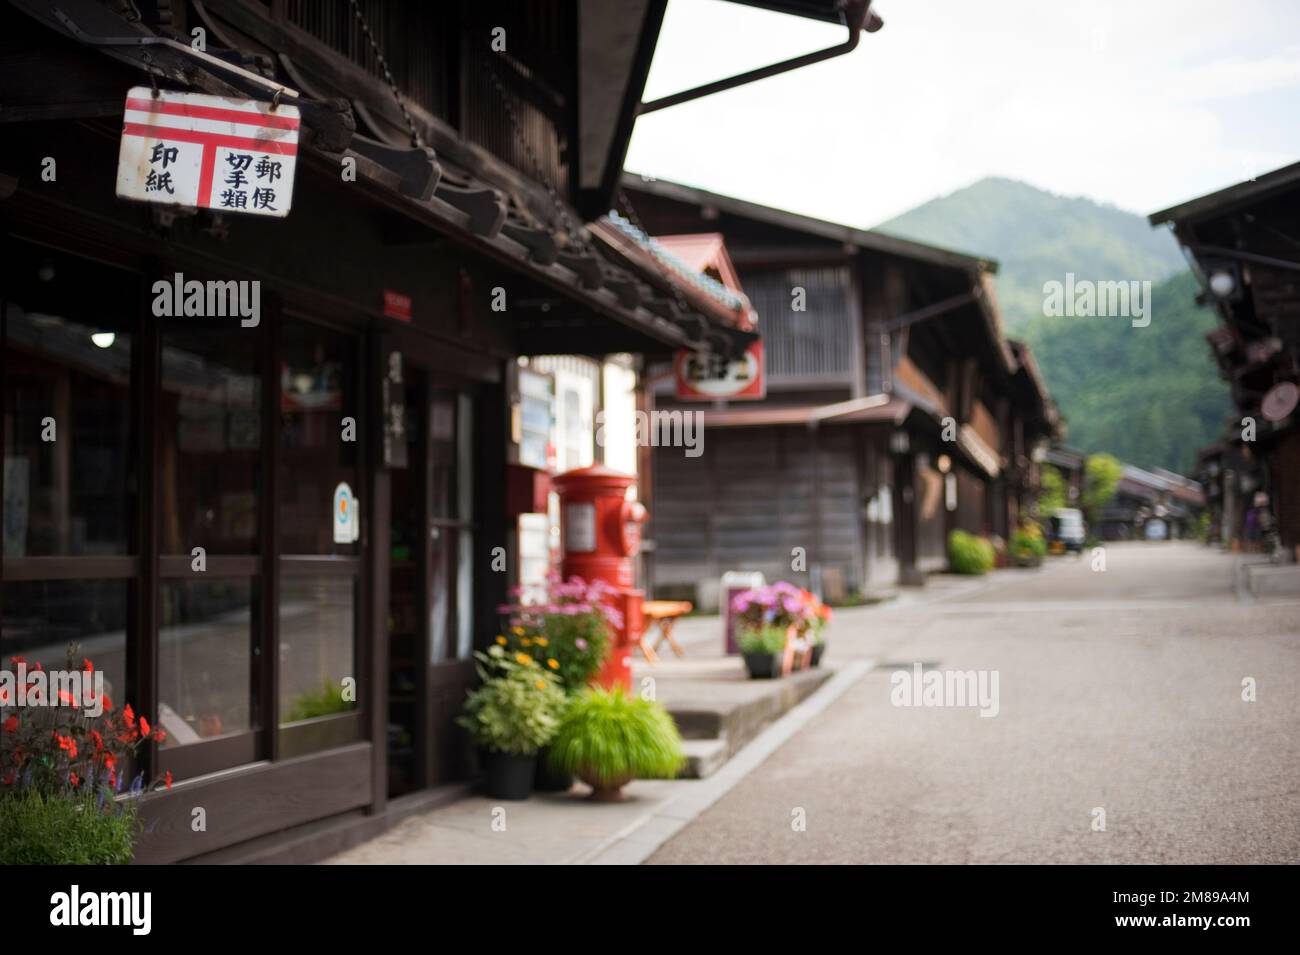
{"x": 1118, "y": 691}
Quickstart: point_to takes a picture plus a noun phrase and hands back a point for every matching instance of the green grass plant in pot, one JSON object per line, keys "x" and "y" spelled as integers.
{"x": 608, "y": 738}
{"x": 513, "y": 714}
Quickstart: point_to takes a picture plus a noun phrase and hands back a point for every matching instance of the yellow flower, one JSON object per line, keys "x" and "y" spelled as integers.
{"x": 553, "y": 664}
{"x": 541, "y": 641}
{"x": 523, "y": 659}
{"x": 501, "y": 640}
{"x": 517, "y": 631}
{"x": 540, "y": 684}
{"x": 526, "y": 642}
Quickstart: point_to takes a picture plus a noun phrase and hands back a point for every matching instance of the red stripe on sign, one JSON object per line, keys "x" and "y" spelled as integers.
{"x": 210, "y": 139}
{"x": 211, "y": 112}
{"x": 207, "y": 168}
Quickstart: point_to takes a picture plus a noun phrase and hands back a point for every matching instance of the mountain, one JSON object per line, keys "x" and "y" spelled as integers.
{"x": 1038, "y": 237}
{"x": 1151, "y": 396}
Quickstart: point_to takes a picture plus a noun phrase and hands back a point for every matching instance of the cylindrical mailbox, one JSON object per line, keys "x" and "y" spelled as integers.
{"x": 600, "y": 533}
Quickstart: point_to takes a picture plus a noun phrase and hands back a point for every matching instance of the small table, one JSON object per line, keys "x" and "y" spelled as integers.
{"x": 664, "y": 614}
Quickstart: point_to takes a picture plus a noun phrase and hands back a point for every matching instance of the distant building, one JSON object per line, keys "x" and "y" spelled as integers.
{"x": 895, "y": 410}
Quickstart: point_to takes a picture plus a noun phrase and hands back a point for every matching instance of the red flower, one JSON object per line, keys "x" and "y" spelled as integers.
{"x": 144, "y": 727}
{"x": 74, "y": 779}
{"x": 129, "y": 714}
{"x": 168, "y": 779}
{"x": 160, "y": 736}
{"x": 67, "y": 698}
{"x": 11, "y": 724}
{"x": 68, "y": 744}
{"x": 87, "y": 665}
{"x": 4, "y": 697}
{"x": 108, "y": 704}
{"x": 14, "y": 661}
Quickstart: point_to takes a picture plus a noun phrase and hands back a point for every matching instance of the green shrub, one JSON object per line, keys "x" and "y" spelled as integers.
{"x": 762, "y": 640}
{"x": 607, "y": 735}
{"x": 969, "y": 554}
{"x": 517, "y": 709}
{"x": 1028, "y": 542}
{"x": 38, "y": 829}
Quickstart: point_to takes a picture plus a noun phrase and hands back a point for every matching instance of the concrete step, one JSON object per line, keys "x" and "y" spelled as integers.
{"x": 716, "y": 719}
{"x": 703, "y": 757}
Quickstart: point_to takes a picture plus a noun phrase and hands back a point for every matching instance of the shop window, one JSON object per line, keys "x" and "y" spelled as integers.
{"x": 210, "y": 436}
{"x": 320, "y": 435}
{"x": 205, "y": 660}
{"x": 67, "y": 345}
{"x": 318, "y": 675}
{"x": 451, "y": 541}
{"x": 66, "y": 391}
{"x": 42, "y": 618}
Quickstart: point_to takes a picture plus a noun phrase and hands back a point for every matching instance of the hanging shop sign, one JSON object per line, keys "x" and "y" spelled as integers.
{"x": 208, "y": 152}
{"x": 707, "y": 377}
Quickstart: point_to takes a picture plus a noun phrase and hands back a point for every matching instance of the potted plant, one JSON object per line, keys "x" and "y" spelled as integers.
{"x": 608, "y": 738}
{"x": 569, "y": 635}
{"x": 510, "y": 716}
{"x": 763, "y": 612}
{"x": 1028, "y": 546}
{"x": 63, "y": 767}
{"x": 762, "y": 649}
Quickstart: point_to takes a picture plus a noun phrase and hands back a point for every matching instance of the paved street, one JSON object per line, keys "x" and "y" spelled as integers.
{"x": 1119, "y": 690}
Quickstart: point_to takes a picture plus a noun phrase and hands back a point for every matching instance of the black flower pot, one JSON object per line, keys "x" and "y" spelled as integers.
{"x": 818, "y": 650}
{"x": 762, "y": 666}
{"x": 548, "y": 779}
{"x": 509, "y": 775}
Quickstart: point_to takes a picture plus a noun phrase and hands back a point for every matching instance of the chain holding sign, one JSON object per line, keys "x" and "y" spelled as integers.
{"x": 208, "y": 152}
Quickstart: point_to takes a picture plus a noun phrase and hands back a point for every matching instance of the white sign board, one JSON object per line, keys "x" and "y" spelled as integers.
{"x": 580, "y": 528}
{"x": 209, "y": 152}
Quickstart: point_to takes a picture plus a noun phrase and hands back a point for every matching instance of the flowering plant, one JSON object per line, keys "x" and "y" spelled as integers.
{"x": 781, "y": 605}
{"x": 518, "y": 706}
{"x": 568, "y": 634}
{"x": 58, "y": 745}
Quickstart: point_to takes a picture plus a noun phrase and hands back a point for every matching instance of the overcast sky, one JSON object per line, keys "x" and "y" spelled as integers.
{"x": 1138, "y": 103}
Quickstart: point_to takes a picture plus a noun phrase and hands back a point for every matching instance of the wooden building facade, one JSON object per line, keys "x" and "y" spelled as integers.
{"x": 1243, "y": 242}
{"x": 895, "y": 410}
{"x": 179, "y": 522}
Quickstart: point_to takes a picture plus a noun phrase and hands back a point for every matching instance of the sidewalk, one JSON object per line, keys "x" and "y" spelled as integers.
{"x": 565, "y": 828}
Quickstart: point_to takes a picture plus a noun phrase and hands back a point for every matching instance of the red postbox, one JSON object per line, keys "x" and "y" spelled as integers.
{"x": 600, "y": 534}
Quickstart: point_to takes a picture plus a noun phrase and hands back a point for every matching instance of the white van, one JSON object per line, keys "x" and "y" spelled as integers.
{"x": 1067, "y": 527}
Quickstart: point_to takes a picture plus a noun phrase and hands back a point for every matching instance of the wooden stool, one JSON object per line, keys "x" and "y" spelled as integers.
{"x": 663, "y": 614}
